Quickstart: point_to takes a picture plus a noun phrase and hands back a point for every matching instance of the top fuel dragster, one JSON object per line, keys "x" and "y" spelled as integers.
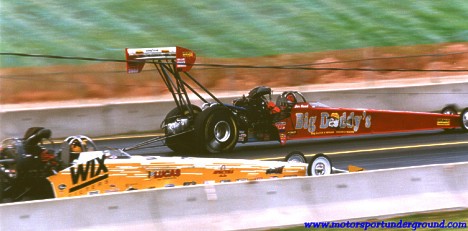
{"x": 29, "y": 171}
{"x": 217, "y": 127}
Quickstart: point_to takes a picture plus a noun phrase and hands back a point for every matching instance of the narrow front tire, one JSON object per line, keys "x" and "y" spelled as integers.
{"x": 319, "y": 165}
{"x": 296, "y": 156}
{"x": 464, "y": 119}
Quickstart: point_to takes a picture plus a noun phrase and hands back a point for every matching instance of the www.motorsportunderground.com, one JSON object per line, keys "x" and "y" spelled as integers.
{"x": 368, "y": 225}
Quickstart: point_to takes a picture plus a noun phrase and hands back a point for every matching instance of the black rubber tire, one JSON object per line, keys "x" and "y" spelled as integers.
{"x": 319, "y": 165}
{"x": 449, "y": 110}
{"x": 42, "y": 189}
{"x": 296, "y": 156}
{"x": 216, "y": 130}
{"x": 3, "y": 186}
{"x": 184, "y": 143}
{"x": 464, "y": 119}
{"x": 31, "y": 189}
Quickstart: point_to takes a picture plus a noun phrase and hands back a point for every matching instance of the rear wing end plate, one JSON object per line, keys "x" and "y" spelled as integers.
{"x": 136, "y": 58}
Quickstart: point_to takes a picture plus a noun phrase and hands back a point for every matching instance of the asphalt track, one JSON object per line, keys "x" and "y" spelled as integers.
{"x": 369, "y": 152}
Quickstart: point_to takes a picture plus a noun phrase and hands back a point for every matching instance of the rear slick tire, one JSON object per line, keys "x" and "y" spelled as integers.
{"x": 183, "y": 143}
{"x": 216, "y": 130}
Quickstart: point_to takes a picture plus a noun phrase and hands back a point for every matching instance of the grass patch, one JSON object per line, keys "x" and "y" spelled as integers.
{"x": 229, "y": 29}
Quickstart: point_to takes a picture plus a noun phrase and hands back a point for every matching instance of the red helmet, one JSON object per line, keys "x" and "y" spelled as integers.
{"x": 291, "y": 98}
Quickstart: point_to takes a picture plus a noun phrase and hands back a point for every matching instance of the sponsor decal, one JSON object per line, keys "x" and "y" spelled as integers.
{"x": 91, "y": 172}
{"x": 112, "y": 189}
{"x": 301, "y": 106}
{"x": 242, "y": 136}
{"x": 222, "y": 172}
{"x": 283, "y": 138}
{"x": 190, "y": 183}
{"x": 187, "y": 54}
{"x": 278, "y": 170}
{"x": 334, "y": 120}
{"x": 281, "y": 126}
{"x": 346, "y": 122}
{"x": 180, "y": 62}
{"x": 443, "y": 122}
{"x": 165, "y": 173}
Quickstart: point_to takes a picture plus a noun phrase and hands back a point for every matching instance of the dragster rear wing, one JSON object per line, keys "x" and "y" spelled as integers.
{"x": 136, "y": 58}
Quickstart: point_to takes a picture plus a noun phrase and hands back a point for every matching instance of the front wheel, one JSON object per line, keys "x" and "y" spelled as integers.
{"x": 449, "y": 110}
{"x": 26, "y": 190}
{"x": 295, "y": 157}
{"x": 216, "y": 129}
{"x": 3, "y": 186}
{"x": 319, "y": 165}
{"x": 464, "y": 119}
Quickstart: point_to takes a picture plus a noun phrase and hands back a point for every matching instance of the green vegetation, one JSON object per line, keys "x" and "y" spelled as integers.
{"x": 449, "y": 216}
{"x": 239, "y": 28}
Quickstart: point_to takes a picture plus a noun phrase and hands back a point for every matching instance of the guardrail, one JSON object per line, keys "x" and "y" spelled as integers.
{"x": 135, "y": 117}
{"x": 252, "y": 205}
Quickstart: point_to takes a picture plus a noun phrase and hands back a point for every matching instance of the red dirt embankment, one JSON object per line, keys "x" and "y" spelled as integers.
{"x": 109, "y": 80}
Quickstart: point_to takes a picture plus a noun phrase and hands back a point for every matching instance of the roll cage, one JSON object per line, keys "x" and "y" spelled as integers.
{"x": 283, "y": 101}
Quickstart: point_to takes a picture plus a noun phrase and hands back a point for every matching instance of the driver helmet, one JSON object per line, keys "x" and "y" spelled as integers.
{"x": 291, "y": 98}
{"x": 76, "y": 147}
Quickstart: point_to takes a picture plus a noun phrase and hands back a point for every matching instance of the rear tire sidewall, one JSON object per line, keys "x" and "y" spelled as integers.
{"x": 183, "y": 143}
{"x": 216, "y": 130}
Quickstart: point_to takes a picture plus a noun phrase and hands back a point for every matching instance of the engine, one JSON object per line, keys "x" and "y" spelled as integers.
{"x": 256, "y": 116}
{"x": 256, "y": 105}
{"x": 25, "y": 164}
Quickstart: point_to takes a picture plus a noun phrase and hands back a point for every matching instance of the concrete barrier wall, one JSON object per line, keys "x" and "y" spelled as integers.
{"x": 119, "y": 118}
{"x": 252, "y": 205}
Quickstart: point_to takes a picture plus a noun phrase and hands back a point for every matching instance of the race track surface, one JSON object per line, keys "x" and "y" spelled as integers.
{"x": 369, "y": 152}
